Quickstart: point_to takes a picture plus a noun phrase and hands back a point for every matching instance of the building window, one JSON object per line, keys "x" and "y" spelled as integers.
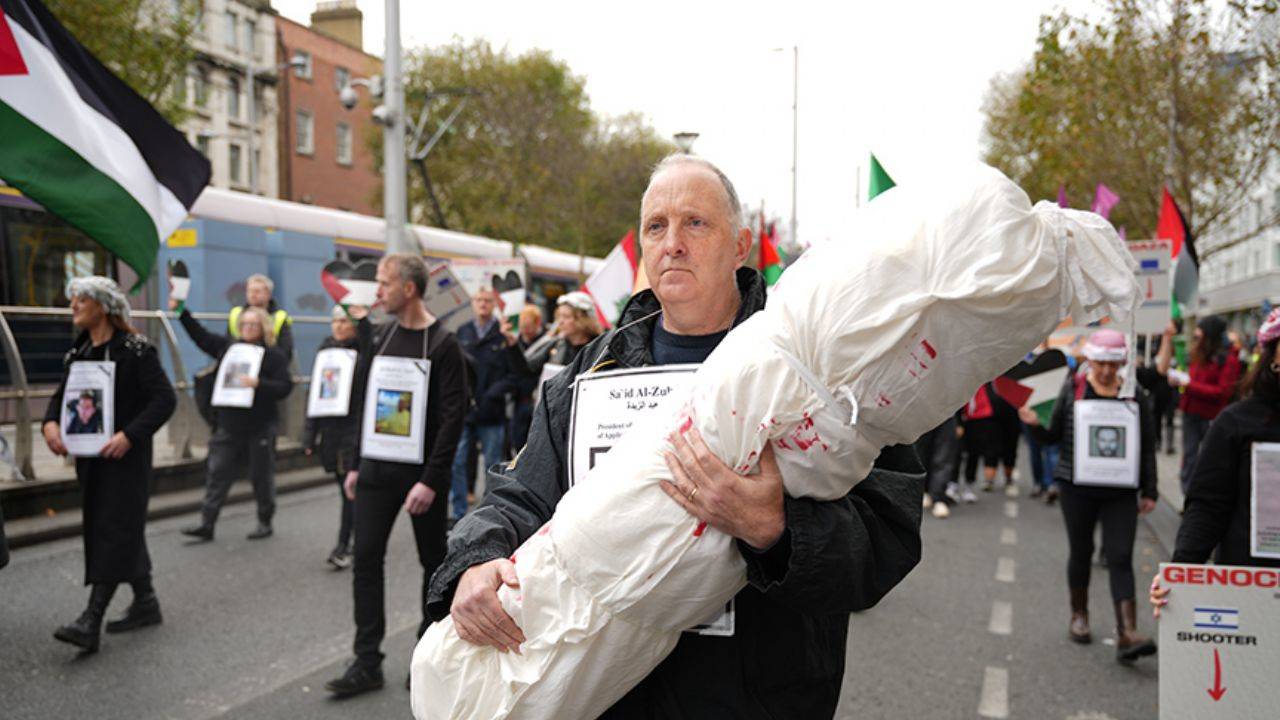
{"x": 303, "y": 71}
{"x": 305, "y": 133}
{"x": 234, "y": 161}
{"x": 341, "y": 78}
{"x": 201, "y": 85}
{"x": 344, "y": 144}
{"x": 233, "y": 97}
{"x": 251, "y": 37}
{"x": 202, "y": 143}
{"x": 232, "y": 35}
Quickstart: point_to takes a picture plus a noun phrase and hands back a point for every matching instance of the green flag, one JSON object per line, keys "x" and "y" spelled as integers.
{"x": 880, "y": 180}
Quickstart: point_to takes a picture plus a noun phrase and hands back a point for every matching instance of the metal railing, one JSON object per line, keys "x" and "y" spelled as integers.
{"x": 185, "y": 422}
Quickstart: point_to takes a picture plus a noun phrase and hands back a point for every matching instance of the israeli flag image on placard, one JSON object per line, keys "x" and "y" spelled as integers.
{"x": 1217, "y": 618}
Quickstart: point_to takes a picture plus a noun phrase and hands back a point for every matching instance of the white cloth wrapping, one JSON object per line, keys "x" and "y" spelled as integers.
{"x": 936, "y": 289}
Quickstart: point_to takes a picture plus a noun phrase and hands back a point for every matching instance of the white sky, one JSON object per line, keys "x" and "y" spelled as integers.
{"x": 905, "y": 79}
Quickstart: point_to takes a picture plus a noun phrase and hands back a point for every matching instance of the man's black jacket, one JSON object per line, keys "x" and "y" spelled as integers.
{"x": 786, "y": 659}
{"x": 497, "y": 369}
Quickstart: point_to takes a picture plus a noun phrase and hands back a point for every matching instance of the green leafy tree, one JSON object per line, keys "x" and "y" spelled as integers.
{"x": 147, "y": 43}
{"x": 1183, "y": 93}
{"x": 526, "y": 160}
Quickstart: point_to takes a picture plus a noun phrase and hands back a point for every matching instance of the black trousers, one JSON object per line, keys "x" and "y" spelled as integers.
{"x": 1082, "y": 509}
{"x": 228, "y": 454}
{"x": 347, "y": 515}
{"x": 939, "y": 451}
{"x": 380, "y": 494}
{"x": 1194, "y": 428}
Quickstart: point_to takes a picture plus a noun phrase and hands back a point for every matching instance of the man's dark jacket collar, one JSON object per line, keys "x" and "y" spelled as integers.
{"x": 629, "y": 346}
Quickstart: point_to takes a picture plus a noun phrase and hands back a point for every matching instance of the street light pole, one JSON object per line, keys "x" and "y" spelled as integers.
{"x": 394, "y": 195}
{"x": 795, "y": 133}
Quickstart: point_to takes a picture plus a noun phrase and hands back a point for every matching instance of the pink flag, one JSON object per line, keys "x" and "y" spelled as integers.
{"x": 1104, "y": 199}
{"x": 1062, "y": 196}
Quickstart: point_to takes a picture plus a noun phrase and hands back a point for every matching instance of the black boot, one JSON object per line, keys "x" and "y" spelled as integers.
{"x": 84, "y": 633}
{"x": 144, "y": 611}
{"x": 202, "y": 532}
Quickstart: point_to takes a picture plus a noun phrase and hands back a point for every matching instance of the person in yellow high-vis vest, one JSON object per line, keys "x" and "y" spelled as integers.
{"x": 257, "y": 290}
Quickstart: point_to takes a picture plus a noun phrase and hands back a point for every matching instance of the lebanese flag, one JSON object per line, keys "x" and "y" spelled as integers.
{"x": 611, "y": 284}
{"x": 79, "y": 141}
{"x": 770, "y": 264}
{"x": 1172, "y": 225}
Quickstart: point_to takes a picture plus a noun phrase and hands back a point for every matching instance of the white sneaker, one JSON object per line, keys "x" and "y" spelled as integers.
{"x": 1014, "y": 475}
{"x": 1011, "y": 490}
{"x": 927, "y": 503}
{"x": 966, "y": 495}
{"x": 953, "y": 492}
{"x": 940, "y": 510}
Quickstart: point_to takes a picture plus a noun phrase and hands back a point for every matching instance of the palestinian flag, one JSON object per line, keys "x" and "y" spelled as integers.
{"x": 350, "y": 284}
{"x": 1035, "y": 383}
{"x": 880, "y": 180}
{"x": 770, "y": 263}
{"x": 79, "y": 141}
{"x": 1172, "y": 225}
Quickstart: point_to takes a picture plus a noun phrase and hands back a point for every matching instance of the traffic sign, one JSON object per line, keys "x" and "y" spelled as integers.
{"x": 1219, "y": 642}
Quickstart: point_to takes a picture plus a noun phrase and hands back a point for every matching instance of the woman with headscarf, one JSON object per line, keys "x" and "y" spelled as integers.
{"x": 1100, "y": 479}
{"x": 117, "y": 482}
{"x": 1207, "y": 387}
{"x": 1219, "y": 499}
{"x": 243, "y": 434}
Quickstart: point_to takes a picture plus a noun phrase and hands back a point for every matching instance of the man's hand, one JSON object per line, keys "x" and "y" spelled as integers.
{"x": 505, "y": 326}
{"x": 477, "y": 613}
{"x": 419, "y": 499}
{"x": 357, "y": 312}
{"x": 53, "y": 438}
{"x": 248, "y": 381}
{"x": 349, "y": 484}
{"x": 1146, "y": 505}
{"x": 1157, "y": 596}
{"x": 1028, "y": 416}
{"x": 748, "y": 507}
{"x": 116, "y": 447}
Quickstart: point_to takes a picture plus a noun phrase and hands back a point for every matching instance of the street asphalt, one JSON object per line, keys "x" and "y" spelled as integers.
{"x": 253, "y": 629}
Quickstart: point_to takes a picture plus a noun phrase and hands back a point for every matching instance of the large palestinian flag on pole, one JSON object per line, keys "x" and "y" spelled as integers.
{"x": 79, "y": 141}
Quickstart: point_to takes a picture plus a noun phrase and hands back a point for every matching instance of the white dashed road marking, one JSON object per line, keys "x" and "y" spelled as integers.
{"x": 1001, "y": 618}
{"x": 995, "y": 693}
{"x": 1006, "y": 570}
{"x": 1008, "y": 536}
{"x": 1010, "y": 509}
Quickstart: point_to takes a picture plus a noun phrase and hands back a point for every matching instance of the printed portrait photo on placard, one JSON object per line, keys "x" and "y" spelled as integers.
{"x": 85, "y": 416}
{"x": 232, "y": 373}
{"x": 393, "y": 412}
{"x": 1107, "y": 441}
{"x": 329, "y": 378}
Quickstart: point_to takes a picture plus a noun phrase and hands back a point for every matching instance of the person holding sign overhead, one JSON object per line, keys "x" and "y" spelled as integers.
{"x": 252, "y": 377}
{"x": 413, "y": 379}
{"x": 331, "y": 426}
{"x": 1234, "y": 499}
{"x": 780, "y": 651}
{"x": 1107, "y": 473}
{"x": 113, "y": 398}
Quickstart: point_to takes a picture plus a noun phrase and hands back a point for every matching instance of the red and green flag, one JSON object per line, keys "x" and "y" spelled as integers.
{"x": 1172, "y": 226}
{"x": 79, "y": 141}
{"x": 880, "y": 180}
{"x": 770, "y": 263}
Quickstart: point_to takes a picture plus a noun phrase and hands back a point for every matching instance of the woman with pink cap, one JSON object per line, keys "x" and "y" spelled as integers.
{"x": 1107, "y": 473}
{"x": 1219, "y": 502}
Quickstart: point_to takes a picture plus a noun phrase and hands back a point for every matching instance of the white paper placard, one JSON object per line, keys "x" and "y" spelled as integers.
{"x": 1106, "y": 443}
{"x": 240, "y": 360}
{"x": 88, "y": 407}
{"x": 395, "y": 410}
{"x": 1264, "y": 506}
{"x": 608, "y": 404}
{"x": 1154, "y": 275}
{"x": 331, "y": 380}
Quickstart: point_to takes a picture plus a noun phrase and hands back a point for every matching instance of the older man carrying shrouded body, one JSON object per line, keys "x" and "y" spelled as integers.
{"x": 809, "y": 562}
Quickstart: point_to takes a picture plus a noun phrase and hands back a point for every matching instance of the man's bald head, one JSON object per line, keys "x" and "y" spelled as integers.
{"x": 733, "y": 206}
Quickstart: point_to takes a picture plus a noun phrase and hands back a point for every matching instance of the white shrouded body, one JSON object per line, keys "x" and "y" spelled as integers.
{"x": 867, "y": 341}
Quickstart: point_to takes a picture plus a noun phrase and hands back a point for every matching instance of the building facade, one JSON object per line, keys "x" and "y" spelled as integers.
{"x": 235, "y": 39}
{"x": 325, "y": 152}
{"x": 1240, "y": 280}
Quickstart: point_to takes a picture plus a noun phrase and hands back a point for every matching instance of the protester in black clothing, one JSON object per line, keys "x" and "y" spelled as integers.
{"x": 117, "y": 483}
{"x": 383, "y": 488}
{"x": 494, "y": 355}
{"x": 531, "y": 338}
{"x": 1154, "y": 378}
{"x": 258, "y": 291}
{"x": 939, "y": 451}
{"x": 1219, "y": 500}
{"x": 1084, "y": 504}
{"x": 809, "y": 562}
{"x": 335, "y": 438}
{"x": 243, "y": 435}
